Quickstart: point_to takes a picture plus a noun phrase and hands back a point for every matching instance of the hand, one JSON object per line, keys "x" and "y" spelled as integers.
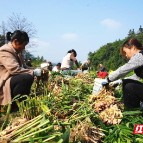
{"x": 116, "y": 82}
{"x": 37, "y": 72}
{"x": 105, "y": 82}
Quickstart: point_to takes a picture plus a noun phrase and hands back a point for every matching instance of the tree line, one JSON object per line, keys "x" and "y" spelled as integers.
{"x": 110, "y": 55}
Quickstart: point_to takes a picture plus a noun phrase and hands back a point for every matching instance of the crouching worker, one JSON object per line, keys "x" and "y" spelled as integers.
{"x": 57, "y": 67}
{"x": 85, "y": 67}
{"x": 102, "y": 72}
{"x": 132, "y": 88}
{"x": 15, "y": 77}
{"x": 67, "y": 63}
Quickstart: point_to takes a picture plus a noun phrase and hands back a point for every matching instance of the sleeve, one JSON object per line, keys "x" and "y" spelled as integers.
{"x": 135, "y": 62}
{"x": 134, "y": 77}
{"x": 11, "y": 64}
{"x": 27, "y": 67}
{"x": 101, "y": 69}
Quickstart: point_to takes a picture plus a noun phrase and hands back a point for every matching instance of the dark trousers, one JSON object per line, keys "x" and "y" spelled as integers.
{"x": 21, "y": 84}
{"x": 132, "y": 93}
{"x": 84, "y": 69}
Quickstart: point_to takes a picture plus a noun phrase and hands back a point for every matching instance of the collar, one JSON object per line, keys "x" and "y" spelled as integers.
{"x": 10, "y": 45}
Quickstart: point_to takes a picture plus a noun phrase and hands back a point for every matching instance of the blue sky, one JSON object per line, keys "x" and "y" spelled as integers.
{"x": 83, "y": 25}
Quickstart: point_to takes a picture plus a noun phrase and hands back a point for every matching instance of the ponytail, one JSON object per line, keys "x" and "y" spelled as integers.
{"x": 8, "y": 36}
{"x": 21, "y": 36}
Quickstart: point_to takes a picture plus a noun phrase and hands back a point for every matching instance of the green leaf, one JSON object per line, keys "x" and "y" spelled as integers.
{"x": 132, "y": 112}
{"x": 31, "y": 139}
{"x": 119, "y": 140}
{"x": 140, "y": 140}
{"x": 65, "y": 137}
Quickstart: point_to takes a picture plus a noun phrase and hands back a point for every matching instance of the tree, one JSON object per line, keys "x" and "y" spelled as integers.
{"x": 27, "y": 55}
{"x": 131, "y": 33}
{"x": 2, "y": 40}
{"x": 140, "y": 30}
{"x": 17, "y": 22}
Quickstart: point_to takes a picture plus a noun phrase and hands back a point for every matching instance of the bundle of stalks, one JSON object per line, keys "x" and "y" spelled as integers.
{"x": 38, "y": 129}
{"x": 32, "y": 106}
{"x": 110, "y": 115}
{"x": 101, "y": 104}
{"x": 83, "y": 132}
{"x": 59, "y": 81}
{"x": 51, "y": 86}
{"x": 85, "y": 78}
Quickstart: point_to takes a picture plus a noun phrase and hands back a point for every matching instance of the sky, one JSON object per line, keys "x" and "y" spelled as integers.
{"x": 83, "y": 25}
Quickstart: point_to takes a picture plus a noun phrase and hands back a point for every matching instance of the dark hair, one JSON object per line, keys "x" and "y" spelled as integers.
{"x": 129, "y": 43}
{"x": 72, "y": 50}
{"x": 29, "y": 59}
{"x": 50, "y": 64}
{"x": 58, "y": 64}
{"x": 21, "y": 36}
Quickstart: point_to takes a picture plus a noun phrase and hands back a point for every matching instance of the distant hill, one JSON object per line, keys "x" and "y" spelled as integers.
{"x": 110, "y": 54}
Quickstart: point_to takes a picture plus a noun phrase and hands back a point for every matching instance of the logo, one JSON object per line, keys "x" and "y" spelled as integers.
{"x": 138, "y": 129}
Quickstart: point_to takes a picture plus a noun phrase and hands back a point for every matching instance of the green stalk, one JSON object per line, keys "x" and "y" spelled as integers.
{"x": 24, "y": 130}
{"x": 23, "y": 127}
{"x": 34, "y": 129}
{"x": 76, "y": 111}
{"x": 21, "y": 139}
{"x": 43, "y": 137}
{"x": 49, "y": 138}
{"x": 81, "y": 117}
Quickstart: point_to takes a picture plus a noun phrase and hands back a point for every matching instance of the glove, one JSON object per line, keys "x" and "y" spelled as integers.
{"x": 116, "y": 82}
{"x": 37, "y": 72}
{"x": 105, "y": 82}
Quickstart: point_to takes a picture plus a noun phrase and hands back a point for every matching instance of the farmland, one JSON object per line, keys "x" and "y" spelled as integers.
{"x": 64, "y": 110}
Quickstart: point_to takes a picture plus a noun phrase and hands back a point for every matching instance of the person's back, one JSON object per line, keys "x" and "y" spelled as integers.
{"x": 67, "y": 62}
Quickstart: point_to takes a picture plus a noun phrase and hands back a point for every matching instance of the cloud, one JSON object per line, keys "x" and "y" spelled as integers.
{"x": 38, "y": 47}
{"x": 112, "y": 24}
{"x": 69, "y": 36}
{"x": 41, "y": 44}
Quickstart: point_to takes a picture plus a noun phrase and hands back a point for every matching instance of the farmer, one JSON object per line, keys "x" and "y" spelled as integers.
{"x": 132, "y": 88}
{"x": 29, "y": 62}
{"x": 102, "y": 72}
{"x": 67, "y": 63}
{"x": 15, "y": 77}
{"x": 57, "y": 67}
{"x": 85, "y": 66}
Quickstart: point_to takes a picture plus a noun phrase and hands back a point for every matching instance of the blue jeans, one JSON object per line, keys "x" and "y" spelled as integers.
{"x": 71, "y": 72}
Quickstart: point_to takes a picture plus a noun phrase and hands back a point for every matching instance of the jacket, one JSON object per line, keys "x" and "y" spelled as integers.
{"x": 10, "y": 65}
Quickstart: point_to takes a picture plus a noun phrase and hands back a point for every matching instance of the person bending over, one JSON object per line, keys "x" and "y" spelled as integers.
{"x": 57, "y": 67}
{"x": 132, "y": 88}
{"x": 15, "y": 77}
{"x": 85, "y": 66}
{"x": 29, "y": 62}
{"x": 102, "y": 72}
{"x": 67, "y": 63}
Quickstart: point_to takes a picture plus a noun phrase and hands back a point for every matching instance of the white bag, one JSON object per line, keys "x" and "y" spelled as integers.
{"x": 97, "y": 86}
